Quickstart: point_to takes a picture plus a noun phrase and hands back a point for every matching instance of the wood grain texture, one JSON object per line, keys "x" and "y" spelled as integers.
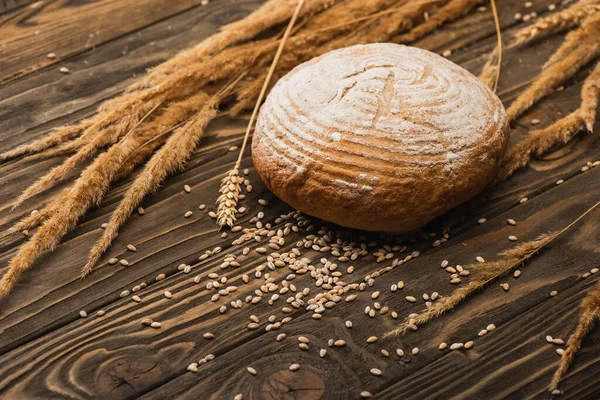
{"x": 48, "y": 351}
{"x": 68, "y": 28}
{"x": 9, "y": 5}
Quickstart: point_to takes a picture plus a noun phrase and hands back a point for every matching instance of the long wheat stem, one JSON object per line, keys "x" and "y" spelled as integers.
{"x": 590, "y": 313}
{"x": 114, "y": 132}
{"x": 486, "y": 273}
{"x": 227, "y": 201}
{"x": 170, "y": 158}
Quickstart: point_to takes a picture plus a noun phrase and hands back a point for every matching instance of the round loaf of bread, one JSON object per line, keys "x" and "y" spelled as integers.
{"x": 380, "y": 137}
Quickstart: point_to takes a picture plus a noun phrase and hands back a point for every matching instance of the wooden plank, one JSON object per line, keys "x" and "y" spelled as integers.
{"x": 67, "y": 29}
{"x": 103, "y": 72}
{"x": 19, "y": 178}
{"x": 49, "y": 351}
{"x": 59, "y": 294}
{"x": 99, "y": 354}
{"x": 9, "y": 5}
{"x": 48, "y": 99}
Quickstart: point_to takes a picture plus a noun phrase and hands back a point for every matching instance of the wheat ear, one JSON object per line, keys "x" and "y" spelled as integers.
{"x": 557, "y": 22}
{"x": 230, "y": 188}
{"x": 590, "y": 96}
{"x": 105, "y": 138}
{"x": 56, "y": 137}
{"x": 486, "y": 273}
{"x": 554, "y": 76}
{"x": 590, "y": 313}
{"x": 449, "y": 12}
{"x": 539, "y": 142}
{"x": 88, "y": 190}
{"x": 168, "y": 159}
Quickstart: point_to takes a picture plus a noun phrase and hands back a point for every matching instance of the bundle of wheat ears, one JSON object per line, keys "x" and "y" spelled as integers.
{"x": 159, "y": 121}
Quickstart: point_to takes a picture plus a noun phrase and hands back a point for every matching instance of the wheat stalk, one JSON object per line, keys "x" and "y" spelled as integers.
{"x": 486, "y": 273}
{"x": 451, "y": 11}
{"x": 557, "y": 22}
{"x": 230, "y": 185}
{"x": 590, "y": 96}
{"x": 587, "y": 32}
{"x": 590, "y": 313}
{"x": 227, "y": 202}
{"x": 540, "y": 141}
{"x": 168, "y": 159}
{"x": 554, "y": 76}
{"x": 102, "y": 140}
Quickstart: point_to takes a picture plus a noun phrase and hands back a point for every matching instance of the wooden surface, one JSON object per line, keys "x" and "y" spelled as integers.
{"x": 48, "y": 351}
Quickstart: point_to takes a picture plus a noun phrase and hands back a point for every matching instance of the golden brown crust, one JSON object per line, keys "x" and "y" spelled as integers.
{"x": 379, "y": 137}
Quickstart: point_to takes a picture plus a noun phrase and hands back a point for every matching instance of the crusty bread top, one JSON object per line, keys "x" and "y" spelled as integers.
{"x": 376, "y": 117}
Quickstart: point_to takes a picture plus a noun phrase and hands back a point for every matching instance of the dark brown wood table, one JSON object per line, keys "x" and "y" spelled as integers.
{"x": 48, "y": 351}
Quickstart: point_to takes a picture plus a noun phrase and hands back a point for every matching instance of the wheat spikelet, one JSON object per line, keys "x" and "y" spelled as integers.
{"x": 230, "y": 190}
{"x": 57, "y": 136}
{"x": 557, "y": 22}
{"x": 486, "y": 273}
{"x": 539, "y": 142}
{"x": 559, "y": 133}
{"x": 490, "y": 69}
{"x": 590, "y": 94}
{"x": 112, "y": 134}
{"x": 230, "y": 185}
{"x": 170, "y": 158}
{"x": 88, "y": 190}
{"x": 586, "y": 33}
{"x": 590, "y": 313}
{"x": 449, "y": 12}
{"x": 554, "y": 76}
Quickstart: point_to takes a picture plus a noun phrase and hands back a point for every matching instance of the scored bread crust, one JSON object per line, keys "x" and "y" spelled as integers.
{"x": 381, "y": 137}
